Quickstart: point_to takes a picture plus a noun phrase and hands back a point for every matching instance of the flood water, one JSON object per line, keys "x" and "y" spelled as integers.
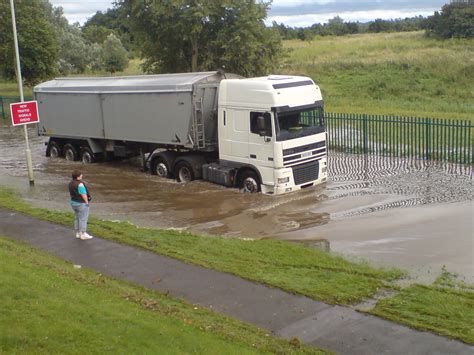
{"x": 415, "y": 215}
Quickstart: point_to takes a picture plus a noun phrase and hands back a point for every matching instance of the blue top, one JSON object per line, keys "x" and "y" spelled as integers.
{"x": 82, "y": 191}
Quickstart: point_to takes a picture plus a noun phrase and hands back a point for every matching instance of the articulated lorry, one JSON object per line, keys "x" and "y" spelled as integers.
{"x": 260, "y": 134}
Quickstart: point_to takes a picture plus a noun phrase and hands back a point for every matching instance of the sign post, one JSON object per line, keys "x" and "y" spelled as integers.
{"x": 20, "y": 85}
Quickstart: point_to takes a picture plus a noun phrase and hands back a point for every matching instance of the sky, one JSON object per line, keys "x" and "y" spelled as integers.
{"x": 294, "y": 13}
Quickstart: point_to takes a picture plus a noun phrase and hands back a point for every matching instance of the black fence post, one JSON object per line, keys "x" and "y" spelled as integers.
{"x": 427, "y": 138}
{"x": 366, "y": 134}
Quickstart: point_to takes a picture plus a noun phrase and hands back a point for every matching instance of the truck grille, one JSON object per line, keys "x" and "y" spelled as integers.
{"x": 305, "y": 172}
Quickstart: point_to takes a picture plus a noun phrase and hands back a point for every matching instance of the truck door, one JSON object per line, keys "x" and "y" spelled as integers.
{"x": 239, "y": 125}
{"x": 261, "y": 142}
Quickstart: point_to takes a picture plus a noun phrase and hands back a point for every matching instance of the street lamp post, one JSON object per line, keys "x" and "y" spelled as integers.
{"x": 20, "y": 86}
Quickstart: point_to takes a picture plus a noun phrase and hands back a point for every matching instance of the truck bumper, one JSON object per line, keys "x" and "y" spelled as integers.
{"x": 295, "y": 178}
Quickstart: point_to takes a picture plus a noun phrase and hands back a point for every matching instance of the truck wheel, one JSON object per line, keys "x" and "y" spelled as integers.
{"x": 53, "y": 150}
{"x": 70, "y": 153}
{"x": 161, "y": 168}
{"x": 184, "y": 172}
{"x": 87, "y": 157}
{"x": 249, "y": 182}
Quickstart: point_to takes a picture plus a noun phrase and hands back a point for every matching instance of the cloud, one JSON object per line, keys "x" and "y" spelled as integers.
{"x": 292, "y": 12}
{"x": 292, "y": 3}
{"x": 81, "y": 10}
{"x": 353, "y": 16}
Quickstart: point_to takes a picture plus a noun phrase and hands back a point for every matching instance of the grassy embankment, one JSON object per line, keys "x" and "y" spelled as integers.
{"x": 48, "y": 306}
{"x": 389, "y": 73}
{"x": 446, "y": 307}
{"x": 281, "y": 264}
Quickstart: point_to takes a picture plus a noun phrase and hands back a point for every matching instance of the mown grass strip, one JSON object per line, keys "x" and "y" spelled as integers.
{"x": 281, "y": 264}
{"x": 446, "y": 307}
{"x": 48, "y": 306}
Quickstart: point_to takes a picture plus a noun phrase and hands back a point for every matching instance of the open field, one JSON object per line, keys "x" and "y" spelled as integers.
{"x": 48, "y": 306}
{"x": 389, "y": 73}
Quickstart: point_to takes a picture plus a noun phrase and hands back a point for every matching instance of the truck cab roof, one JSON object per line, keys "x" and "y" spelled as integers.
{"x": 269, "y": 91}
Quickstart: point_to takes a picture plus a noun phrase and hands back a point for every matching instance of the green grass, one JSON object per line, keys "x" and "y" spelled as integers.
{"x": 446, "y": 307}
{"x": 281, "y": 264}
{"x": 48, "y": 306}
{"x": 389, "y": 73}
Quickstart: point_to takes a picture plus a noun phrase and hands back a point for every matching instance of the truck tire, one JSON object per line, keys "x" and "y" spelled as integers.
{"x": 161, "y": 167}
{"x": 183, "y": 171}
{"x": 249, "y": 182}
{"x": 53, "y": 150}
{"x": 70, "y": 152}
{"x": 87, "y": 156}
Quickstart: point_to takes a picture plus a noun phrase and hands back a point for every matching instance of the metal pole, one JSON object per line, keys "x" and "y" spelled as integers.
{"x": 20, "y": 86}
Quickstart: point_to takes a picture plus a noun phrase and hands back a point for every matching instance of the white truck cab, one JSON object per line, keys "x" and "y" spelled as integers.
{"x": 275, "y": 126}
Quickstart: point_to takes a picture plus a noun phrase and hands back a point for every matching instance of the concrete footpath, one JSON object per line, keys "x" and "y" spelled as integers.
{"x": 339, "y": 329}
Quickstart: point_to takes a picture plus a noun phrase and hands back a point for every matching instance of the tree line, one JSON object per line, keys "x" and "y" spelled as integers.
{"x": 455, "y": 19}
{"x": 181, "y": 36}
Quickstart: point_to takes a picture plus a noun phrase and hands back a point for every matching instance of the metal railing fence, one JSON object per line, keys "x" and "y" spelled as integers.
{"x": 407, "y": 137}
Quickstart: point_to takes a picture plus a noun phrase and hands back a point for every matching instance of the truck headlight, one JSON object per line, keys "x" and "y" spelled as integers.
{"x": 284, "y": 180}
{"x": 324, "y": 169}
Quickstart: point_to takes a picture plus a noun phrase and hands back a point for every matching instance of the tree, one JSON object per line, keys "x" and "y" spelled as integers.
{"x": 336, "y": 26}
{"x": 95, "y": 57}
{"x": 74, "y": 56}
{"x": 193, "y": 35}
{"x": 98, "y": 27}
{"x": 96, "y": 34}
{"x": 379, "y": 25}
{"x": 114, "y": 55}
{"x": 36, "y": 39}
{"x": 454, "y": 20}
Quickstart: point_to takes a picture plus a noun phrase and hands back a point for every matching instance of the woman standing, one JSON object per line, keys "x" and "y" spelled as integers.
{"x": 80, "y": 198}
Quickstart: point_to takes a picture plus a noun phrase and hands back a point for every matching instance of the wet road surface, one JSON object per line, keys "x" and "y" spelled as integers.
{"x": 409, "y": 214}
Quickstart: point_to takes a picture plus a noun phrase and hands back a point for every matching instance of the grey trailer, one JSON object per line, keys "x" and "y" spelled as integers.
{"x": 168, "y": 110}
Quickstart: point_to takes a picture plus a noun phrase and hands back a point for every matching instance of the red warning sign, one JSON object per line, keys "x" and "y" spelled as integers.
{"x": 24, "y": 113}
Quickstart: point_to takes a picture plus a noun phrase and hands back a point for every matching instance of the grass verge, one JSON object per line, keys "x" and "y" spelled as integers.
{"x": 48, "y": 306}
{"x": 446, "y": 307}
{"x": 281, "y": 264}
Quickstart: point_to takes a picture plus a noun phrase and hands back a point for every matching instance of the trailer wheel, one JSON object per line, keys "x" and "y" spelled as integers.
{"x": 87, "y": 157}
{"x": 184, "y": 172}
{"x": 70, "y": 152}
{"x": 161, "y": 168}
{"x": 53, "y": 150}
{"x": 249, "y": 182}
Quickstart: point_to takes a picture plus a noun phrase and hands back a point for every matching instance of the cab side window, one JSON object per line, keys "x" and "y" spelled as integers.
{"x": 264, "y": 128}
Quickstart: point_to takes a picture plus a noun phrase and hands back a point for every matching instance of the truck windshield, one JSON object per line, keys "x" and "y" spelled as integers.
{"x": 299, "y": 123}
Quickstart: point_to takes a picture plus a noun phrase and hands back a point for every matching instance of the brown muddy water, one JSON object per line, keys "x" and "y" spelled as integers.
{"x": 411, "y": 214}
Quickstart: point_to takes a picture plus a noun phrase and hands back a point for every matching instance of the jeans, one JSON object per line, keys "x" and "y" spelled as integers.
{"x": 82, "y": 214}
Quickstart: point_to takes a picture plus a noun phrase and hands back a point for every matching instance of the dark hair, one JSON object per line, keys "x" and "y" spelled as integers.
{"x": 75, "y": 174}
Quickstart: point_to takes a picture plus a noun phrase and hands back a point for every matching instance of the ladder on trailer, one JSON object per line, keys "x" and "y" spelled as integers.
{"x": 198, "y": 125}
